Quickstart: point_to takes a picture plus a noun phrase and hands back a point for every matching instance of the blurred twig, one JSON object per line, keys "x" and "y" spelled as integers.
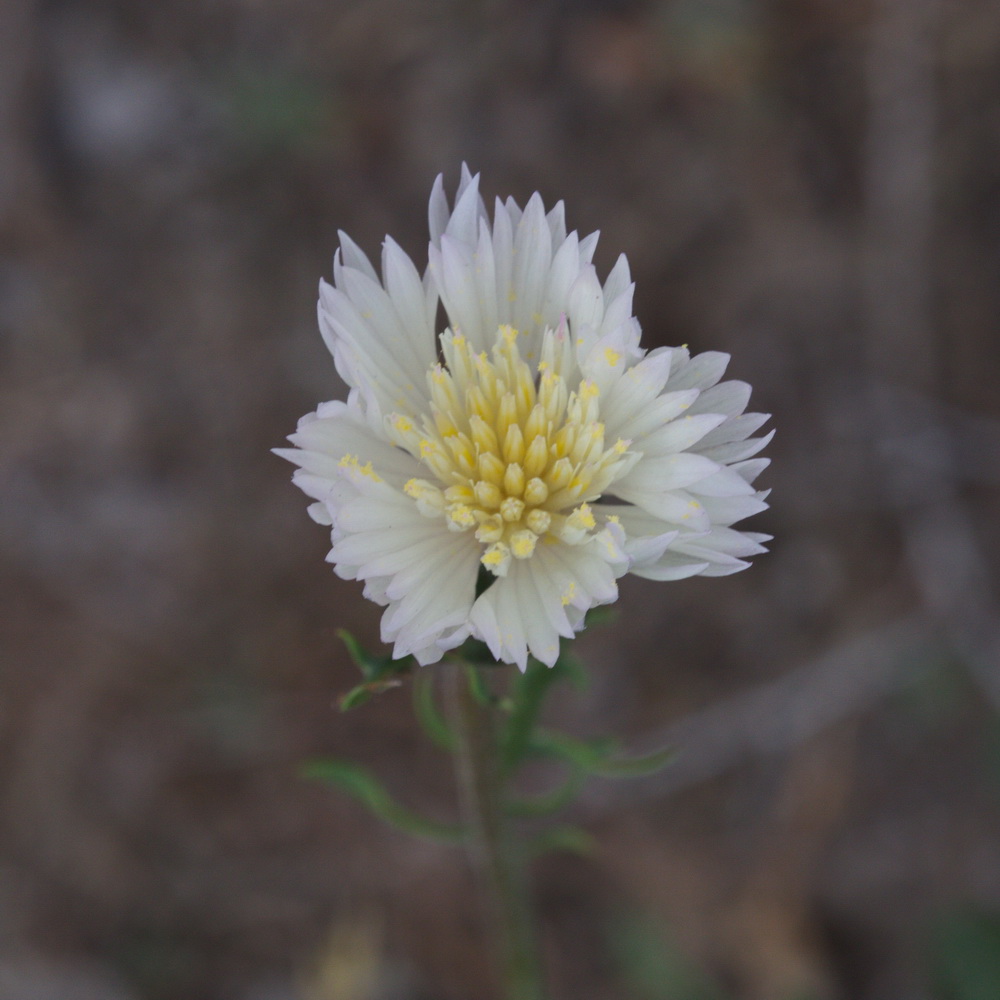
{"x": 914, "y": 442}
{"x": 775, "y": 717}
{"x": 944, "y": 553}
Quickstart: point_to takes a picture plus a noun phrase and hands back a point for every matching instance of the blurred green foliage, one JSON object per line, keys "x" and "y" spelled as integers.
{"x": 653, "y": 967}
{"x": 965, "y": 956}
{"x": 271, "y": 110}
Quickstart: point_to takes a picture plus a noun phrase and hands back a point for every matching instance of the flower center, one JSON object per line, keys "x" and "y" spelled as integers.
{"x": 516, "y": 457}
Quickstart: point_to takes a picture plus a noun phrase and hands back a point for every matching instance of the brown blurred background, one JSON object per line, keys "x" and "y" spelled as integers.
{"x": 813, "y": 186}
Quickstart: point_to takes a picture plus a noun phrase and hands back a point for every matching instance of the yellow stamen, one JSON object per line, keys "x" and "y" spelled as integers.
{"x": 515, "y": 461}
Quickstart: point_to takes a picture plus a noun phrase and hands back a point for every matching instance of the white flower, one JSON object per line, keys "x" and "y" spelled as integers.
{"x": 533, "y": 437}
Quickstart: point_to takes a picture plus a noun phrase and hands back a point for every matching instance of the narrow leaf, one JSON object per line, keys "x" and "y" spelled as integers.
{"x": 366, "y": 788}
{"x": 355, "y": 697}
{"x": 427, "y": 713}
{"x": 373, "y": 668}
{"x": 363, "y": 692}
{"x": 635, "y": 767}
{"x": 480, "y": 689}
{"x": 548, "y": 802}
{"x": 599, "y": 757}
{"x": 587, "y": 755}
{"x": 563, "y": 838}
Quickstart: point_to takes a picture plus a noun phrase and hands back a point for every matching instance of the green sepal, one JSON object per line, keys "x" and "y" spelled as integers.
{"x": 359, "y": 783}
{"x": 478, "y": 653}
{"x": 563, "y": 838}
{"x": 373, "y": 668}
{"x": 426, "y": 710}
{"x": 379, "y": 672}
{"x": 598, "y": 757}
{"x": 547, "y": 802}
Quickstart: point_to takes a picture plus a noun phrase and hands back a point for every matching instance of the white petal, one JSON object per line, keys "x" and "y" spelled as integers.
{"x": 654, "y": 415}
{"x": 463, "y": 225}
{"x": 605, "y": 363}
{"x": 417, "y": 311}
{"x": 452, "y": 266}
{"x": 542, "y": 635}
{"x": 585, "y": 309}
{"x": 320, "y": 513}
{"x": 701, "y": 372}
{"x": 729, "y": 398}
{"x": 729, "y": 510}
{"x": 593, "y": 574}
{"x": 735, "y": 451}
{"x": 673, "y": 566}
{"x": 635, "y": 390}
{"x": 557, "y": 223}
{"x": 372, "y": 337}
{"x": 496, "y": 619}
{"x": 619, "y": 281}
{"x": 353, "y": 256}
{"x": 735, "y": 429}
{"x": 437, "y": 599}
{"x": 485, "y": 278}
{"x": 563, "y": 272}
{"x": 588, "y": 244}
{"x": 680, "y": 434}
{"x": 722, "y": 541}
{"x": 550, "y": 584}
{"x": 503, "y": 262}
{"x": 532, "y": 259}
{"x": 669, "y": 472}
{"x": 438, "y": 211}
{"x": 385, "y": 553}
{"x": 676, "y": 507}
{"x": 646, "y": 537}
{"x": 749, "y": 471}
{"x": 727, "y": 482}
{"x": 340, "y": 433}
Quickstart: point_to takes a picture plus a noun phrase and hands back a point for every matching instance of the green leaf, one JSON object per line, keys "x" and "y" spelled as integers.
{"x": 597, "y": 757}
{"x": 548, "y": 802}
{"x": 362, "y": 785}
{"x": 355, "y": 697}
{"x": 480, "y": 689}
{"x": 363, "y": 692}
{"x": 587, "y": 755}
{"x": 379, "y": 672}
{"x": 425, "y": 707}
{"x": 373, "y": 668}
{"x": 636, "y": 767}
{"x": 563, "y": 838}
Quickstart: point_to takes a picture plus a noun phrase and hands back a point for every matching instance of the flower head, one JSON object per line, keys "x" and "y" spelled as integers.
{"x": 532, "y": 439}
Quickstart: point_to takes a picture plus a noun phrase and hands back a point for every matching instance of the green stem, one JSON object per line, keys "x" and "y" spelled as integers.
{"x": 495, "y": 854}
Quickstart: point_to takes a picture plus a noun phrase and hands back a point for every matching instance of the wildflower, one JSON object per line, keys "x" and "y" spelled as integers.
{"x": 532, "y": 443}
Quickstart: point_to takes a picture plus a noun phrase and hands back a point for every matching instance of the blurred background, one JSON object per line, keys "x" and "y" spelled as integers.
{"x": 813, "y": 186}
